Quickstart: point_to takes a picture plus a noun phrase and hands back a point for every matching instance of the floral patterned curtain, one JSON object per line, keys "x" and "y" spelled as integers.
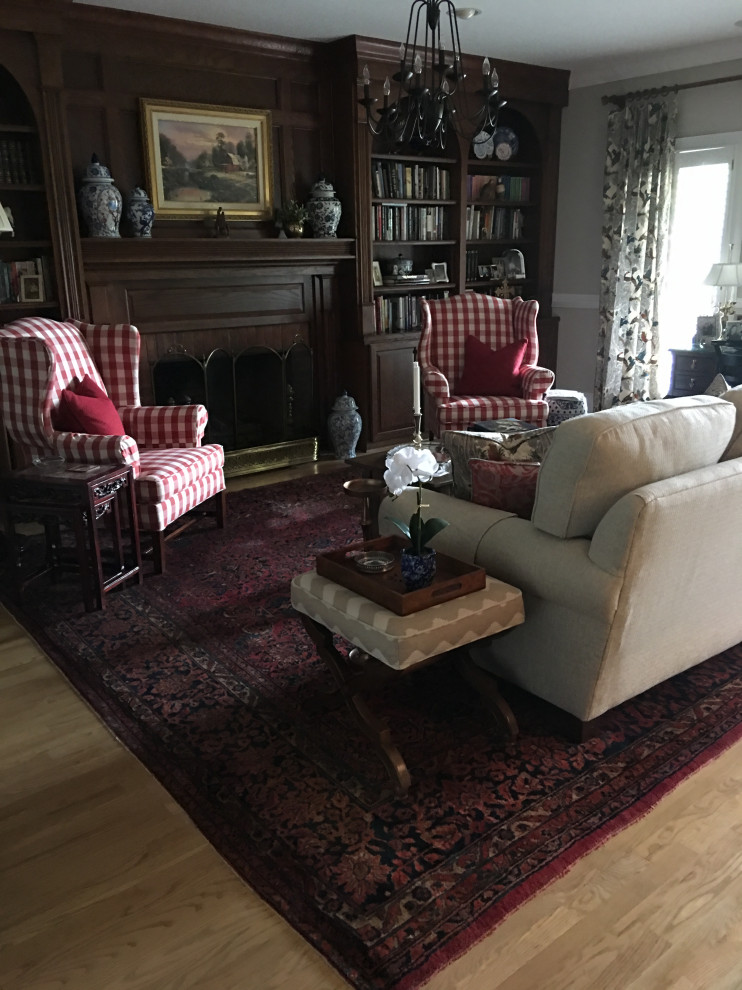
{"x": 637, "y": 193}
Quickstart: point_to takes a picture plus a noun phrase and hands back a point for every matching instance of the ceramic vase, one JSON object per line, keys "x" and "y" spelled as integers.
{"x": 418, "y": 570}
{"x": 324, "y": 209}
{"x": 140, "y": 213}
{"x": 100, "y": 201}
{"x": 344, "y": 426}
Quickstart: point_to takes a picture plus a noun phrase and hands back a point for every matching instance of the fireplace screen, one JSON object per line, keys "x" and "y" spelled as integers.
{"x": 257, "y": 397}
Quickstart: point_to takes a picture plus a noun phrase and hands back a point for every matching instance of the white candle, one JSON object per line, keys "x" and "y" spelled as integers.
{"x": 416, "y": 388}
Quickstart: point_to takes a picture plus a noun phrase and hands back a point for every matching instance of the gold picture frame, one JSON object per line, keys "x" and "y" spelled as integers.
{"x": 202, "y": 157}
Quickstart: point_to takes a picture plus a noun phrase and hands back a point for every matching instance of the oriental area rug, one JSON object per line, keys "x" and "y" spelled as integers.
{"x": 207, "y": 675}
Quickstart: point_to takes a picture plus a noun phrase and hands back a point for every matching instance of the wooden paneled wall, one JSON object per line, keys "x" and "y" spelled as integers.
{"x": 111, "y": 59}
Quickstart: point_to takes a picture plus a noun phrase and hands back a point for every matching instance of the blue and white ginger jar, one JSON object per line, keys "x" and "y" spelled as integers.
{"x": 344, "y": 426}
{"x": 140, "y": 213}
{"x": 324, "y": 209}
{"x": 100, "y": 201}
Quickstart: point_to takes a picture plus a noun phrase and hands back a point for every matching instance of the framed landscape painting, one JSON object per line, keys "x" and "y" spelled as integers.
{"x": 199, "y": 158}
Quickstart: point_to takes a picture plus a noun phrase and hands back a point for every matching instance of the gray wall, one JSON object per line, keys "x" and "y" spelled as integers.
{"x": 705, "y": 110}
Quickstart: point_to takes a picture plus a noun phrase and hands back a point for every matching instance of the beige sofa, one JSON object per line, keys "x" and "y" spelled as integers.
{"x": 631, "y": 563}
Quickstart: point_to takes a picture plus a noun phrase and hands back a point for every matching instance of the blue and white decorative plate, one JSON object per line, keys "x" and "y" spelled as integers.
{"x": 483, "y": 144}
{"x": 506, "y": 143}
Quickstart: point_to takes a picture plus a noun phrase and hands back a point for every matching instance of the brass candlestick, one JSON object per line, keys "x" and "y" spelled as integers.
{"x": 417, "y": 437}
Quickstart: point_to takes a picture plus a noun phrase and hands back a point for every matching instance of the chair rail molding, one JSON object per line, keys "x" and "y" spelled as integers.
{"x": 573, "y": 300}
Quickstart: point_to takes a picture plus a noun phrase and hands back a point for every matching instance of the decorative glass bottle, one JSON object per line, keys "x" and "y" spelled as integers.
{"x": 100, "y": 201}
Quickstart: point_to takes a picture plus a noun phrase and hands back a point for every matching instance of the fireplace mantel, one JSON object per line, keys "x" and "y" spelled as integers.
{"x": 100, "y": 252}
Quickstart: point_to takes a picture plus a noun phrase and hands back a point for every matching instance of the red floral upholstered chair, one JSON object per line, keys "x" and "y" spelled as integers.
{"x": 478, "y": 359}
{"x": 51, "y": 371}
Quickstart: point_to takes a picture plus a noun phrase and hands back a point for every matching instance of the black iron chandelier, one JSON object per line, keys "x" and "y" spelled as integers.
{"x": 430, "y": 99}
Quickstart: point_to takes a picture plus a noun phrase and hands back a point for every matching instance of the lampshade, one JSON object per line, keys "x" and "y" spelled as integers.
{"x": 724, "y": 273}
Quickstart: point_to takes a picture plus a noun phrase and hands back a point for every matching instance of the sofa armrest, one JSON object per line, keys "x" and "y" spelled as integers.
{"x": 466, "y": 521}
{"x": 536, "y": 381}
{"x": 92, "y": 448}
{"x": 547, "y": 568}
{"x": 513, "y": 550}
{"x": 159, "y": 427}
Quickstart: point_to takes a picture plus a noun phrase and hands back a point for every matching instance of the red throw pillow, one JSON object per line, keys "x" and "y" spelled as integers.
{"x": 88, "y": 414}
{"x": 505, "y": 485}
{"x": 89, "y": 387}
{"x": 488, "y": 372}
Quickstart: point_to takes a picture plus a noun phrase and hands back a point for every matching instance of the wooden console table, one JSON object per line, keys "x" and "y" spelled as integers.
{"x": 82, "y": 496}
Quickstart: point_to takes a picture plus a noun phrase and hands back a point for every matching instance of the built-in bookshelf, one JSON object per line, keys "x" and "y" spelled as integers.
{"x": 502, "y": 216}
{"x": 414, "y": 236}
{"x": 27, "y": 283}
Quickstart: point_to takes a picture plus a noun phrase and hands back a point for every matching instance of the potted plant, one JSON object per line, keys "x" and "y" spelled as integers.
{"x": 406, "y": 467}
{"x": 293, "y": 216}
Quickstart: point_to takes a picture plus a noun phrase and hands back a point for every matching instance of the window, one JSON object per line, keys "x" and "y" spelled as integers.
{"x": 705, "y": 228}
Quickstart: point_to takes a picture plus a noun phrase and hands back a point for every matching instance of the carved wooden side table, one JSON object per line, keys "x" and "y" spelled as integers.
{"x": 97, "y": 502}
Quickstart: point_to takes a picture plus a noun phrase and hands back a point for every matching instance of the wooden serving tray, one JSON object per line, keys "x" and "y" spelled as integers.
{"x": 453, "y": 577}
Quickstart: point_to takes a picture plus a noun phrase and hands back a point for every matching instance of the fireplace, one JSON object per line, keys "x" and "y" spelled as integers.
{"x": 260, "y": 402}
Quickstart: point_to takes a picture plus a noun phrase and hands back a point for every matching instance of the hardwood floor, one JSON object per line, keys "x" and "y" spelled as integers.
{"x": 106, "y": 885}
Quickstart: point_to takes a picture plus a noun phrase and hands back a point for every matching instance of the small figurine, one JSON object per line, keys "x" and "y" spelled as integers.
{"x": 505, "y": 291}
{"x": 221, "y": 227}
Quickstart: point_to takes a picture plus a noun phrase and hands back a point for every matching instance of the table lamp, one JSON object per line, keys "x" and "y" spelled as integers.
{"x": 727, "y": 276}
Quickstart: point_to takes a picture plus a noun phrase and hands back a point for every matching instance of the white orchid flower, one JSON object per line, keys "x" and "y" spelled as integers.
{"x": 405, "y": 468}
{"x": 408, "y": 466}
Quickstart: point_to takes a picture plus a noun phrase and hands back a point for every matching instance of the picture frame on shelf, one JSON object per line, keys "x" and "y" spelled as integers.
{"x": 202, "y": 157}
{"x": 6, "y": 221}
{"x": 30, "y": 288}
{"x": 515, "y": 266}
{"x": 706, "y": 329}
{"x": 440, "y": 271}
{"x": 733, "y": 330}
{"x": 376, "y": 273}
{"x": 497, "y": 268}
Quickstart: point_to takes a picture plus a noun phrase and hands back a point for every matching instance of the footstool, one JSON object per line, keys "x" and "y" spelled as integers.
{"x": 387, "y": 645}
{"x": 564, "y": 404}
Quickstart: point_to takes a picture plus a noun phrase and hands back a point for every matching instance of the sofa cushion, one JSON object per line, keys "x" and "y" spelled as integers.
{"x": 734, "y": 449}
{"x": 504, "y": 485}
{"x": 596, "y": 459}
{"x": 464, "y": 445}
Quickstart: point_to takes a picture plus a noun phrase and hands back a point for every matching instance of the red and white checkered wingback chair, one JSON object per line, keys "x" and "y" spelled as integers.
{"x": 173, "y": 473}
{"x": 495, "y": 322}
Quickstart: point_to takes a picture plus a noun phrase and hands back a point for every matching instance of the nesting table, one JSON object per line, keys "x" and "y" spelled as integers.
{"x": 387, "y": 645}
{"x": 84, "y": 496}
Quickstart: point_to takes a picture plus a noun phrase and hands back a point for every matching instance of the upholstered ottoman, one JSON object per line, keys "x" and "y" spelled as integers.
{"x": 387, "y": 644}
{"x": 564, "y": 404}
